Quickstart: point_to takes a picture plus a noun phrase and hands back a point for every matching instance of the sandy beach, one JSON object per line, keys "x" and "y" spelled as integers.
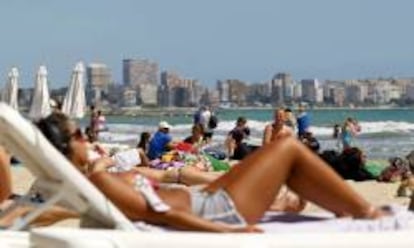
{"x": 375, "y": 192}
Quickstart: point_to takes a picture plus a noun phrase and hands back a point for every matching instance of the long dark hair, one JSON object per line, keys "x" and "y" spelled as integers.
{"x": 143, "y": 141}
{"x": 55, "y": 129}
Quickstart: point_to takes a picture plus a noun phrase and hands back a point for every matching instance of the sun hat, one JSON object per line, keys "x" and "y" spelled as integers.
{"x": 164, "y": 124}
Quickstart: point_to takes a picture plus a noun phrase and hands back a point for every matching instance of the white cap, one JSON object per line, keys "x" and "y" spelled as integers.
{"x": 164, "y": 124}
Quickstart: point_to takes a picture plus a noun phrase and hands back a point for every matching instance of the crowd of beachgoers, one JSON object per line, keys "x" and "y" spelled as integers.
{"x": 190, "y": 184}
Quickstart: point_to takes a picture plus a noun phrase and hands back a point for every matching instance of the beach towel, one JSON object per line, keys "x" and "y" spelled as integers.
{"x": 216, "y": 164}
{"x": 126, "y": 160}
{"x": 326, "y": 222}
{"x": 375, "y": 167}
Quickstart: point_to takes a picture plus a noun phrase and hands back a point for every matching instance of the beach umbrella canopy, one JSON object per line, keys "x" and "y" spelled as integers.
{"x": 11, "y": 88}
{"x": 74, "y": 104}
{"x": 40, "y": 102}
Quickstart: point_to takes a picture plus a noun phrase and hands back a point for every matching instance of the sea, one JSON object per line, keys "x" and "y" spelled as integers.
{"x": 384, "y": 133}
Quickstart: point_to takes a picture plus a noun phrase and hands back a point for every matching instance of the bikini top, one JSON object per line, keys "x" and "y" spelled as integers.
{"x": 147, "y": 189}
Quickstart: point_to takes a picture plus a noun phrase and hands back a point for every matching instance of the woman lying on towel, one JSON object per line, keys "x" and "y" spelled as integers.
{"x": 236, "y": 201}
{"x": 47, "y": 218}
{"x": 135, "y": 160}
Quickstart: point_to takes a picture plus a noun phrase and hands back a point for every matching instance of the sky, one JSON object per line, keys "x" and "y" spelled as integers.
{"x": 212, "y": 39}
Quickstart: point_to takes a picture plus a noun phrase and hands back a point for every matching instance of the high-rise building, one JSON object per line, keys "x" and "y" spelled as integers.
{"x": 139, "y": 71}
{"x": 355, "y": 91}
{"x": 178, "y": 91}
{"x": 169, "y": 82}
{"x": 237, "y": 92}
{"x": 142, "y": 76}
{"x": 98, "y": 78}
{"x": 223, "y": 90}
{"x": 311, "y": 90}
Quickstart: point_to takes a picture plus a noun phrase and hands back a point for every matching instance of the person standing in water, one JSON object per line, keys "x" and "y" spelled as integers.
{"x": 303, "y": 122}
{"x": 349, "y": 130}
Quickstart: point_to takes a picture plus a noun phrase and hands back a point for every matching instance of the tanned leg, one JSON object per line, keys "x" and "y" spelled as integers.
{"x": 254, "y": 183}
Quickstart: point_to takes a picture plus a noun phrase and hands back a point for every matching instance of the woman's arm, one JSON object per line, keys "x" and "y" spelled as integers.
{"x": 145, "y": 162}
{"x": 134, "y": 206}
{"x": 230, "y": 145}
{"x": 267, "y": 135}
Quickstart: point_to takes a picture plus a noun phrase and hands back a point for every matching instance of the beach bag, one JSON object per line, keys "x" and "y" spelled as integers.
{"x": 213, "y": 122}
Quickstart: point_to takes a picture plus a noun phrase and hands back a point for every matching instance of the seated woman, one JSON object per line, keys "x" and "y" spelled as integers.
{"x": 196, "y": 139}
{"x": 277, "y": 129}
{"x": 236, "y": 147}
{"x": 234, "y": 202}
{"x": 144, "y": 141}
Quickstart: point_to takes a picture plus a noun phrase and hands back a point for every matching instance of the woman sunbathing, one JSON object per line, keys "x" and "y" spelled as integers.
{"x": 235, "y": 201}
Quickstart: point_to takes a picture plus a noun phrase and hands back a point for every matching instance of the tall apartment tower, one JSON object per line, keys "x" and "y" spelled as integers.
{"x": 142, "y": 76}
{"x": 223, "y": 91}
{"x": 311, "y": 90}
{"x": 169, "y": 82}
{"x": 283, "y": 85}
{"x": 98, "y": 78}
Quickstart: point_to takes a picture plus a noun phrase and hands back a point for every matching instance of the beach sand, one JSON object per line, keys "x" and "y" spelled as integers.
{"x": 375, "y": 192}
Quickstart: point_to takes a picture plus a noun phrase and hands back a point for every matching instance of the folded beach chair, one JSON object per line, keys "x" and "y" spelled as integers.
{"x": 66, "y": 185}
{"x": 56, "y": 178}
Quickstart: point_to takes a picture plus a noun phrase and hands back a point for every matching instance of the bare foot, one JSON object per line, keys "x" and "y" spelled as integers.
{"x": 288, "y": 202}
{"x": 375, "y": 213}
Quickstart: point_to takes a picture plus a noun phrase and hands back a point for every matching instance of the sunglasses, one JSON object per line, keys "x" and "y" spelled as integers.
{"x": 77, "y": 135}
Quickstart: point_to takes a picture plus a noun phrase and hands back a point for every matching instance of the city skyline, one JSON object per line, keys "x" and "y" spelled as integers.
{"x": 250, "y": 40}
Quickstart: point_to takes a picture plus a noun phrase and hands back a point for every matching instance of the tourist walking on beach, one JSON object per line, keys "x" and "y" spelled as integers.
{"x": 277, "y": 129}
{"x": 202, "y": 116}
{"x": 336, "y": 135}
{"x": 93, "y": 121}
{"x": 303, "y": 121}
{"x": 208, "y": 120}
{"x": 101, "y": 122}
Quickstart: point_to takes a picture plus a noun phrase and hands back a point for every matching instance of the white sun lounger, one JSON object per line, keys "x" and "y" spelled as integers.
{"x": 14, "y": 239}
{"x": 52, "y": 169}
{"x": 56, "y": 177}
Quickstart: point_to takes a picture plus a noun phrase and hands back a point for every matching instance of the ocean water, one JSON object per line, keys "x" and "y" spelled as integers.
{"x": 385, "y": 132}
